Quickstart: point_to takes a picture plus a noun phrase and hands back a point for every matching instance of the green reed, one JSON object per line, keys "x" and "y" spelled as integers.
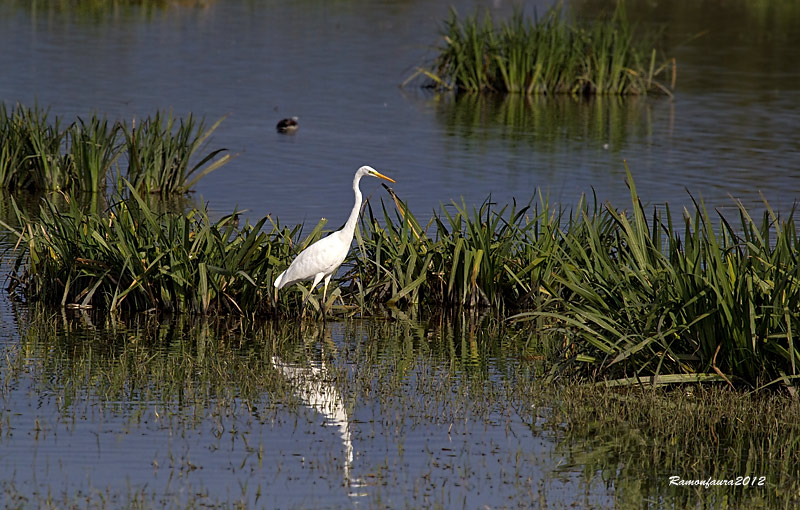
{"x": 484, "y": 257}
{"x": 163, "y": 153}
{"x": 637, "y": 297}
{"x": 624, "y": 295}
{"x": 161, "y": 150}
{"x": 38, "y": 154}
{"x": 547, "y": 56}
{"x": 130, "y": 258}
{"x": 31, "y": 156}
{"x": 93, "y": 150}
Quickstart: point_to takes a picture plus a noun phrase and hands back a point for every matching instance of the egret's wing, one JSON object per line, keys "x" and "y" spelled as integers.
{"x": 324, "y": 256}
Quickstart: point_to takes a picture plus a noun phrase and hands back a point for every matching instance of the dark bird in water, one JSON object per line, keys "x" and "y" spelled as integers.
{"x": 287, "y": 125}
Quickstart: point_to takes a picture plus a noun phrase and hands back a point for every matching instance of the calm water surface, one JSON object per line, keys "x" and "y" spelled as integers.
{"x": 357, "y": 415}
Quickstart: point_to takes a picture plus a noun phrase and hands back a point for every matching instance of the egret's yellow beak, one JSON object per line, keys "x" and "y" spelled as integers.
{"x": 378, "y": 174}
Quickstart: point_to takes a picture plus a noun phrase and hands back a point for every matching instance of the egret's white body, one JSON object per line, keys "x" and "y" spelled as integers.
{"x": 321, "y": 260}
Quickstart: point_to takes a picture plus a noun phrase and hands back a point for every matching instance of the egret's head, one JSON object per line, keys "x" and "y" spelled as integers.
{"x": 368, "y": 170}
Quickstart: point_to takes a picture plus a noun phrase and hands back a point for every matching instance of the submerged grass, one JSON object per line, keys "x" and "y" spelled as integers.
{"x": 547, "y": 56}
{"x": 163, "y": 153}
{"x": 619, "y": 295}
{"x": 640, "y": 439}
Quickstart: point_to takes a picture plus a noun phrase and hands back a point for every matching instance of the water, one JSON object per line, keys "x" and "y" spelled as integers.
{"x": 164, "y": 413}
{"x": 337, "y": 66}
{"x": 220, "y": 413}
{"x": 348, "y": 416}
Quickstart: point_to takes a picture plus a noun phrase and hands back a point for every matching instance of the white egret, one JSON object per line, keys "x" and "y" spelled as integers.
{"x": 323, "y": 258}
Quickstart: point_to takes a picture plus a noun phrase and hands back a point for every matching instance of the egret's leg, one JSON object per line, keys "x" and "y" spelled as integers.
{"x": 324, "y": 294}
{"x": 317, "y": 278}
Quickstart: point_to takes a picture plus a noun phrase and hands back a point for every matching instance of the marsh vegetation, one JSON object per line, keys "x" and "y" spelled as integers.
{"x": 161, "y": 155}
{"x": 548, "y": 55}
{"x": 625, "y": 294}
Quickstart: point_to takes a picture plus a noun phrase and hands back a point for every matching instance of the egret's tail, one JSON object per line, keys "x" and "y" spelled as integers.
{"x": 279, "y": 280}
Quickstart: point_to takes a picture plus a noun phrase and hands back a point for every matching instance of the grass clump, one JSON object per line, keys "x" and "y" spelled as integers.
{"x": 547, "y": 56}
{"x": 39, "y": 153}
{"x": 486, "y": 257}
{"x": 31, "y": 154}
{"x": 625, "y": 296}
{"x": 636, "y": 297}
{"x": 130, "y": 258}
{"x": 159, "y": 152}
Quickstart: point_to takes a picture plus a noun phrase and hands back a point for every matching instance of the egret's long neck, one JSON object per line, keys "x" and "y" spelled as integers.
{"x": 350, "y": 227}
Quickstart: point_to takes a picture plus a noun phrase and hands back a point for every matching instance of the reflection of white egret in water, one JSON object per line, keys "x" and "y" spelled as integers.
{"x": 314, "y": 387}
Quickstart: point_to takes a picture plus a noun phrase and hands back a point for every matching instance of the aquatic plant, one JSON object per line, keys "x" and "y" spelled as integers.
{"x": 547, "y": 56}
{"x": 31, "y": 153}
{"x": 621, "y": 295}
{"x": 129, "y": 258}
{"x": 93, "y": 147}
{"x": 496, "y": 257}
{"x": 38, "y": 154}
{"x": 160, "y": 149}
{"x": 647, "y": 299}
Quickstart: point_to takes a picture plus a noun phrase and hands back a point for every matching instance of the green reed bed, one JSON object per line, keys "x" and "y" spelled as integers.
{"x": 163, "y": 154}
{"x": 636, "y": 296}
{"x": 130, "y": 258}
{"x": 548, "y": 55}
{"x": 32, "y": 155}
{"x": 616, "y": 294}
{"x": 624, "y": 295}
{"x": 461, "y": 258}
